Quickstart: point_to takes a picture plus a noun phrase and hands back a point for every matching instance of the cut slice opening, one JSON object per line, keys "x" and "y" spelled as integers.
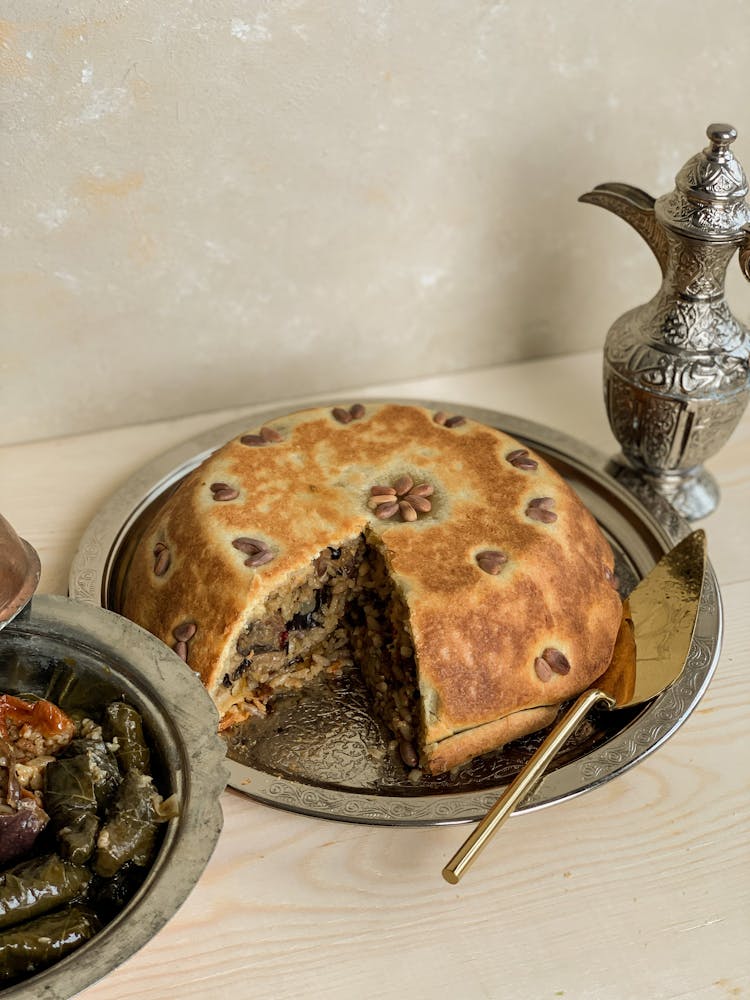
{"x": 344, "y": 612}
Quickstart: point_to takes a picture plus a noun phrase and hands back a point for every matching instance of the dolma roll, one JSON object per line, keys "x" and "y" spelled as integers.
{"x": 39, "y": 885}
{"x": 34, "y": 945}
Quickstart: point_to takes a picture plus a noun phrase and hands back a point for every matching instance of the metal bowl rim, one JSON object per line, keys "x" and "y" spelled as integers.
{"x": 190, "y": 838}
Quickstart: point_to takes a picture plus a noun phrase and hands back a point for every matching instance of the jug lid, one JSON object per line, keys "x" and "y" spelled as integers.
{"x": 20, "y": 569}
{"x": 708, "y": 202}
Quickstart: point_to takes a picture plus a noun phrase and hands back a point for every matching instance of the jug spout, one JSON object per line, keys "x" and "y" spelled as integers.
{"x": 636, "y": 207}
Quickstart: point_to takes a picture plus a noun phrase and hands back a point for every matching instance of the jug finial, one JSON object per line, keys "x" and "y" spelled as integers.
{"x": 708, "y": 202}
{"x": 721, "y": 135}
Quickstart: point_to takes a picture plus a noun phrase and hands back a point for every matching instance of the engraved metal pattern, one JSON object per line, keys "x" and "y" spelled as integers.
{"x": 683, "y": 213}
{"x": 715, "y": 178}
{"x": 662, "y": 434}
{"x": 710, "y": 189}
{"x": 695, "y": 267}
{"x": 325, "y": 755}
{"x": 677, "y": 369}
{"x": 687, "y": 372}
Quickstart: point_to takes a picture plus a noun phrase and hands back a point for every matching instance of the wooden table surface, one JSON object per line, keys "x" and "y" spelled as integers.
{"x": 639, "y": 889}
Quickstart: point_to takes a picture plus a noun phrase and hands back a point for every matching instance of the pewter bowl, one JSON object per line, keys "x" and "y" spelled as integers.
{"x": 81, "y": 657}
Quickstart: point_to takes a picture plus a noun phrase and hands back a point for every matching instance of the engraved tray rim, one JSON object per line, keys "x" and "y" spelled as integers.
{"x": 650, "y": 524}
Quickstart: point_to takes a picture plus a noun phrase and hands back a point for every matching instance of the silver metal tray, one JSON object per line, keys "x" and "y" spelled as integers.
{"x": 324, "y": 754}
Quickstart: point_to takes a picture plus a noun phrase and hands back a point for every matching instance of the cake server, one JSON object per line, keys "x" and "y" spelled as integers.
{"x": 660, "y": 620}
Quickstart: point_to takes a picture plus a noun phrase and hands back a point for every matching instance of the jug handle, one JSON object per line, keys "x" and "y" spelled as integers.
{"x": 744, "y": 256}
{"x": 636, "y": 207}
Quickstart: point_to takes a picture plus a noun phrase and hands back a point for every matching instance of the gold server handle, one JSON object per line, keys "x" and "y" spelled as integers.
{"x": 521, "y": 785}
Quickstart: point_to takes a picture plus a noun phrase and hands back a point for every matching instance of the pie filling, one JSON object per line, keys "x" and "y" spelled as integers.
{"x": 345, "y": 612}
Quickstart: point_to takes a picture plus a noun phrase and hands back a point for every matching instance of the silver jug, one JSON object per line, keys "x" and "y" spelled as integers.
{"x": 677, "y": 369}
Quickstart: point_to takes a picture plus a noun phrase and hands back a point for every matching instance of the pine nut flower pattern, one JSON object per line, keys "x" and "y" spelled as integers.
{"x": 403, "y": 498}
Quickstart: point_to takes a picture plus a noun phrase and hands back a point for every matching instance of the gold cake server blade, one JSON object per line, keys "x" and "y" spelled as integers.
{"x": 663, "y": 609}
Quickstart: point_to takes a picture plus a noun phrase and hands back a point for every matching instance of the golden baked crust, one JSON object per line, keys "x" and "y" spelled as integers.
{"x": 507, "y": 578}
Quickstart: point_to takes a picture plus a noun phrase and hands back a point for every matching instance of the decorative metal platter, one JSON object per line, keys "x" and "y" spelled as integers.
{"x": 323, "y": 753}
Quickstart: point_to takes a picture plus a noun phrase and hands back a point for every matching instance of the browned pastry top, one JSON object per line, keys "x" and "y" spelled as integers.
{"x": 507, "y": 577}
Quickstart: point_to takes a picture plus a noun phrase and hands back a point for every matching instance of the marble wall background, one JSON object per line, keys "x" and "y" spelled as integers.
{"x": 237, "y": 201}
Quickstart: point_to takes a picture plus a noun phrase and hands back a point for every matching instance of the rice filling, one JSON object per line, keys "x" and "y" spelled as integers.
{"x": 345, "y": 612}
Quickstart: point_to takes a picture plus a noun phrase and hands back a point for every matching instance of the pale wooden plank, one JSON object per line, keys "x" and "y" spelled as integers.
{"x": 638, "y": 889}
